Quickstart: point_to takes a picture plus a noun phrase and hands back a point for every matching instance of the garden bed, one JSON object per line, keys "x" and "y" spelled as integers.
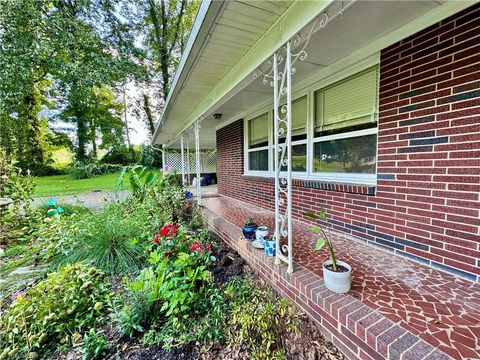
{"x": 305, "y": 343}
{"x": 141, "y": 279}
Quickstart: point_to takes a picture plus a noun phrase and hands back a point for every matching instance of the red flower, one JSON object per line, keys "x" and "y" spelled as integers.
{"x": 196, "y": 246}
{"x": 168, "y": 230}
{"x": 168, "y": 254}
{"x": 156, "y": 239}
{"x": 208, "y": 246}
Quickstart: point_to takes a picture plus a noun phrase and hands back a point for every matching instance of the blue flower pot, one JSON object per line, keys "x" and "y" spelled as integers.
{"x": 249, "y": 231}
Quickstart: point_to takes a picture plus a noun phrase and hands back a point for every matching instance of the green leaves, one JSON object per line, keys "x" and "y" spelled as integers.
{"x": 321, "y": 242}
{"x": 315, "y": 229}
{"x": 67, "y": 300}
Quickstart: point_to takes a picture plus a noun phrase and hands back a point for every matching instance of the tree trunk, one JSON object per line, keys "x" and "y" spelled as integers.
{"x": 94, "y": 142}
{"x": 81, "y": 137}
{"x": 29, "y": 152}
{"x": 148, "y": 112}
{"x": 127, "y": 131}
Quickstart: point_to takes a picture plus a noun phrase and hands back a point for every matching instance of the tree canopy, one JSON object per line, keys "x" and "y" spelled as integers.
{"x": 70, "y": 61}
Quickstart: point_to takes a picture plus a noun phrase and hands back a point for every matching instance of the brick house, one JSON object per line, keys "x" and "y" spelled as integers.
{"x": 384, "y": 133}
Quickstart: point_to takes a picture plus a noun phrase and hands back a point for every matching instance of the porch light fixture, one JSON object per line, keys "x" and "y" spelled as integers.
{"x": 217, "y": 116}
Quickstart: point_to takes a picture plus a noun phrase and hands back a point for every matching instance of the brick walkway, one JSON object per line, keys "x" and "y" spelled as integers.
{"x": 395, "y": 307}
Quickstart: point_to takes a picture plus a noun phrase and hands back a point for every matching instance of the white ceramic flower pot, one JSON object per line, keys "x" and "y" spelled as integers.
{"x": 261, "y": 232}
{"x": 339, "y": 282}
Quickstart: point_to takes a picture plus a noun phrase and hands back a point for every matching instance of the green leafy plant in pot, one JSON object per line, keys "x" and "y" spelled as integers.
{"x": 337, "y": 274}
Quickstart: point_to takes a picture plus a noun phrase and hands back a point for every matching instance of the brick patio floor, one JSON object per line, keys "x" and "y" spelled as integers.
{"x": 394, "y": 302}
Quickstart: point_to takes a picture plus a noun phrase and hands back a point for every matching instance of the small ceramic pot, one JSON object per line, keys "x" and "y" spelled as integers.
{"x": 261, "y": 232}
{"x": 249, "y": 231}
{"x": 339, "y": 282}
{"x": 270, "y": 246}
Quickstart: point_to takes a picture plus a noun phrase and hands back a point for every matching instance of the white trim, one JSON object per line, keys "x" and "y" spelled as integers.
{"x": 347, "y": 135}
{"x": 333, "y": 177}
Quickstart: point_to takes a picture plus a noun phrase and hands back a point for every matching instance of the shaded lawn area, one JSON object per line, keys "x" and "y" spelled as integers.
{"x": 65, "y": 185}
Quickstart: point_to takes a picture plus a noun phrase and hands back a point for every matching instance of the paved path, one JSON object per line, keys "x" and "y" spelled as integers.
{"x": 94, "y": 199}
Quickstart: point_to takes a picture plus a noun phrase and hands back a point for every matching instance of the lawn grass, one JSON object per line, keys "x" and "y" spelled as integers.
{"x": 65, "y": 185}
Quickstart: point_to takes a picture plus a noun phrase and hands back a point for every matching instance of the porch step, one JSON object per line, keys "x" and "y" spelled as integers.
{"x": 397, "y": 309}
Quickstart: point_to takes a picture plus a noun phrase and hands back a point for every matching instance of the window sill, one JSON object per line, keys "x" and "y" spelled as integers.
{"x": 362, "y": 189}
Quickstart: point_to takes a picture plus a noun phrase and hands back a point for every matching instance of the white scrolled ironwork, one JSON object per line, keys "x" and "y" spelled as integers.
{"x": 282, "y": 88}
{"x": 279, "y": 76}
{"x": 197, "y": 161}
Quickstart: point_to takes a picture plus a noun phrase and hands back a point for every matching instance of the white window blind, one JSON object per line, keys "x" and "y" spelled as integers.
{"x": 258, "y": 129}
{"x": 350, "y": 102}
{"x": 299, "y": 116}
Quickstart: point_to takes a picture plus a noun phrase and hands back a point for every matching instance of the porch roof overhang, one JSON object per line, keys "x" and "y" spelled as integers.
{"x": 231, "y": 40}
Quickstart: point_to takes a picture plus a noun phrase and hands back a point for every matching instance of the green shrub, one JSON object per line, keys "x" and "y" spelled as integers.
{"x": 53, "y": 313}
{"x": 113, "y": 239}
{"x": 174, "y": 298}
{"x": 151, "y": 156}
{"x": 81, "y": 170}
{"x": 18, "y": 186}
{"x": 258, "y": 320}
{"x": 94, "y": 345}
{"x": 121, "y": 155}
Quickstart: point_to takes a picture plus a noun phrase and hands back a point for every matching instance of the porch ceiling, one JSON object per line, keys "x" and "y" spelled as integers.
{"x": 364, "y": 29}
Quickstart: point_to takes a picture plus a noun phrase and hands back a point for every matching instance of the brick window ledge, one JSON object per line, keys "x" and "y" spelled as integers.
{"x": 321, "y": 185}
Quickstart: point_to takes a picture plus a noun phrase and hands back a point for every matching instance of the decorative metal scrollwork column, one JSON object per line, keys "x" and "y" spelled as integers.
{"x": 282, "y": 87}
{"x": 197, "y": 161}
{"x": 280, "y": 77}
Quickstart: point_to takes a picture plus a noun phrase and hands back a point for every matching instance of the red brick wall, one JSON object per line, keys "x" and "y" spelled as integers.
{"x": 426, "y": 202}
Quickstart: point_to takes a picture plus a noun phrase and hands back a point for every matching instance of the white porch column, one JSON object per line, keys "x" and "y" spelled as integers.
{"x": 197, "y": 161}
{"x": 182, "y": 154}
{"x": 163, "y": 157}
{"x": 187, "y": 143}
{"x": 282, "y": 87}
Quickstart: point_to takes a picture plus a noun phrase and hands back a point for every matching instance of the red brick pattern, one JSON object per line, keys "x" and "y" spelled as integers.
{"x": 396, "y": 308}
{"x": 427, "y": 200}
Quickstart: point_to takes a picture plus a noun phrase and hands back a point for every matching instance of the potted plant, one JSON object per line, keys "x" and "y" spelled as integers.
{"x": 249, "y": 229}
{"x": 337, "y": 274}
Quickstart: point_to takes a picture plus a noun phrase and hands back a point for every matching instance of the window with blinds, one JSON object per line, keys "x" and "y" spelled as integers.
{"x": 299, "y": 116}
{"x": 258, "y": 131}
{"x": 347, "y": 104}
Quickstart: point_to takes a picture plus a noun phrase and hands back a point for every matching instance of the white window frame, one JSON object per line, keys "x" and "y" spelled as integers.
{"x": 247, "y": 149}
{"x": 333, "y": 177}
